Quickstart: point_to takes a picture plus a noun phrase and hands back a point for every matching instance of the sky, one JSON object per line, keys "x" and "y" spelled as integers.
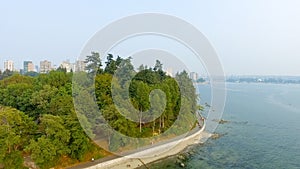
{"x": 251, "y": 37}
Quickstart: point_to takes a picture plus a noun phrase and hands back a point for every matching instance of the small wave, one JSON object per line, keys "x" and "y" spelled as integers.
{"x": 240, "y": 122}
{"x": 271, "y": 99}
{"x": 233, "y": 90}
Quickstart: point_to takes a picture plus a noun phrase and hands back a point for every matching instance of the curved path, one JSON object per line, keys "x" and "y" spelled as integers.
{"x": 149, "y": 153}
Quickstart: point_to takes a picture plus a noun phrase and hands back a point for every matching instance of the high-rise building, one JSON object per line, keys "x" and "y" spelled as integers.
{"x": 28, "y": 67}
{"x": 169, "y": 72}
{"x": 36, "y": 68}
{"x": 67, "y": 65}
{"x": 80, "y": 66}
{"x": 194, "y": 76}
{"x": 9, "y": 65}
{"x": 45, "y": 66}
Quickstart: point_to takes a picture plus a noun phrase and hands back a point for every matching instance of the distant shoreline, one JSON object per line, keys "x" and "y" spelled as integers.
{"x": 262, "y": 83}
{"x": 264, "y": 79}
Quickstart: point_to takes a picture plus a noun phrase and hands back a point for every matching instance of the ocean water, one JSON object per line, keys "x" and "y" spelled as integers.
{"x": 263, "y": 130}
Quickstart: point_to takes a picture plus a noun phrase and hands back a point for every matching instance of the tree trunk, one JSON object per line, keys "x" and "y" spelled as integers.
{"x": 159, "y": 125}
{"x": 153, "y": 127}
{"x": 163, "y": 122}
{"x": 140, "y": 122}
{"x": 109, "y": 140}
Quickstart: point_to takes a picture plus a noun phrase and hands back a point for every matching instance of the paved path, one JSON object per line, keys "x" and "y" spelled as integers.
{"x": 149, "y": 153}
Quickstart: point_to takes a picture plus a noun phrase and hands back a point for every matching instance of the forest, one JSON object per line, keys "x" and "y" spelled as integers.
{"x": 51, "y": 119}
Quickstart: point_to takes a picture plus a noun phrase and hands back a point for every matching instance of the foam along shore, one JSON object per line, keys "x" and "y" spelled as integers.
{"x": 154, "y": 153}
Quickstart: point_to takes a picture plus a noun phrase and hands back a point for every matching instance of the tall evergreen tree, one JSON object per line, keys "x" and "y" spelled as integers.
{"x": 94, "y": 64}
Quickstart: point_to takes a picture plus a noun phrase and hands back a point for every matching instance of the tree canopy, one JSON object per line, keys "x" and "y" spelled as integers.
{"x": 51, "y": 116}
{"x": 37, "y": 117}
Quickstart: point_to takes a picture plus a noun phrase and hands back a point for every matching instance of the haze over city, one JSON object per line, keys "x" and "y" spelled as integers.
{"x": 250, "y": 37}
{"x": 150, "y": 84}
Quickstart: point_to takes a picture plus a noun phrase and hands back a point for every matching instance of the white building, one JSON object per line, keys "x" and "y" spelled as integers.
{"x": 80, "y": 66}
{"x": 169, "y": 72}
{"x": 67, "y": 65}
{"x": 45, "y": 66}
{"x": 9, "y": 65}
{"x": 194, "y": 76}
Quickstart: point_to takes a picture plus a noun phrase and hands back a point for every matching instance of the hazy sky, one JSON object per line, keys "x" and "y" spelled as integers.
{"x": 250, "y": 36}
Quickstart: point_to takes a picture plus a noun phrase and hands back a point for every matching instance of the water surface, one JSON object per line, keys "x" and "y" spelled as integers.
{"x": 263, "y": 132}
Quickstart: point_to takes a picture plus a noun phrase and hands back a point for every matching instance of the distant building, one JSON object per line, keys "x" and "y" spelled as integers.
{"x": 45, "y": 66}
{"x": 36, "y": 68}
{"x": 54, "y": 67}
{"x": 194, "y": 76}
{"x": 28, "y": 67}
{"x": 9, "y": 65}
{"x": 67, "y": 65}
{"x": 79, "y": 66}
{"x": 169, "y": 72}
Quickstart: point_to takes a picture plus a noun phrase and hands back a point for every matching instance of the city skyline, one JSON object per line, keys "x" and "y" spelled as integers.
{"x": 246, "y": 35}
{"x": 44, "y": 66}
{"x": 19, "y": 64}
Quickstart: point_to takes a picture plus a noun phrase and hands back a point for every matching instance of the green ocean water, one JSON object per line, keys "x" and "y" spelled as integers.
{"x": 263, "y": 130}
